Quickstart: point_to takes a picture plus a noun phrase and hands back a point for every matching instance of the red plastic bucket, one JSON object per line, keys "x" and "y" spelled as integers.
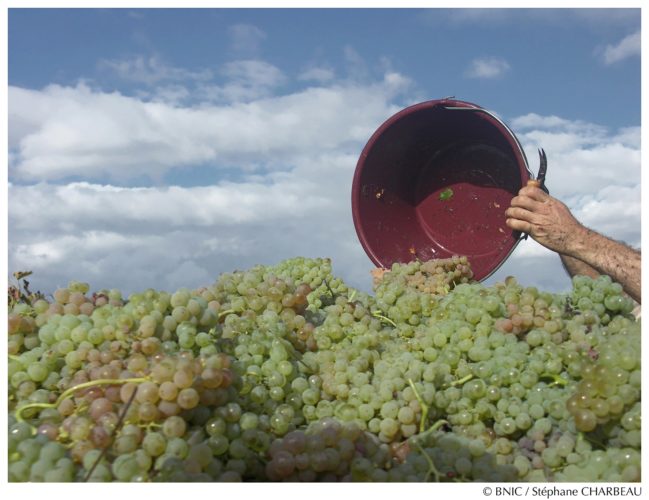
{"x": 434, "y": 181}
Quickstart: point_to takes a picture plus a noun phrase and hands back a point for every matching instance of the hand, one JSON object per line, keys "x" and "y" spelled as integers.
{"x": 550, "y": 223}
{"x": 544, "y": 218}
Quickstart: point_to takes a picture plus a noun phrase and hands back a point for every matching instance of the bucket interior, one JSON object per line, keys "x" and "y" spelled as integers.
{"x": 436, "y": 183}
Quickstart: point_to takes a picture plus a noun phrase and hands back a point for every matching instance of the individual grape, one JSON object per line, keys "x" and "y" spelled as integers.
{"x": 38, "y": 372}
{"x": 177, "y": 447}
{"x": 188, "y": 398}
{"x": 174, "y": 426}
{"x": 125, "y": 467}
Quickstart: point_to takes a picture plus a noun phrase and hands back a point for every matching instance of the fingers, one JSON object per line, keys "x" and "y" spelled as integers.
{"x": 531, "y": 199}
{"x": 523, "y": 211}
{"x": 519, "y": 225}
{"x": 520, "y": 213}
{"x": 524, "y": 201}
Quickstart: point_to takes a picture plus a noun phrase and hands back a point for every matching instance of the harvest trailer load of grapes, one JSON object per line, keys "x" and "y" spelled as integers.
{"x": 286, "y": 373}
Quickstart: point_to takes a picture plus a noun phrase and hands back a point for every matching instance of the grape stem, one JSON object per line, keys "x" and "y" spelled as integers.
{"x": 432, "y": 429}
{"x": 431, "y": 465}
{"x": 378, "y": 315}
{"x": 223, "y": 314}
{"x": 424, "y": 407}
{"x": 461, "y": 381}
{"x": 66, "y": 394}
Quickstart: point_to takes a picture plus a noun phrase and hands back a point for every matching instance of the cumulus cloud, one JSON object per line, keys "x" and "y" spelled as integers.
{"x": 172, "y": 94}
{"x": 295, "y": 155}
{"x": 487, "y": 68}
{"x": 534, "y": 121}
{"x": 155, "y": 208}
{"x": 297, "y": 202}
{"x": 583, "y": 158}
{"x": 83, "y": 230}
{"x": 61, "y": 132}
{"x": 629, "y": 46}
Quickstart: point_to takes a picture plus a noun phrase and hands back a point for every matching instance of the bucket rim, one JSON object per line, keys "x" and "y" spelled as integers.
{"x": 449, "y": 103}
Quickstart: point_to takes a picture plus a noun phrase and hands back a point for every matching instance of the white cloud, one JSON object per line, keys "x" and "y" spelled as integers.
{"x": 107, "y": 260}
{"x": 60, "y": 132}
{"x": 150, "y": 70}
{"x": 609, "y": 209}
{"x": 258, "y": 72}
{"x": 629, "y": 136}
{"x": 244, "y": 80}
{"x": 155, "y": 208}
{"x": 557, "y": 124}
{"x": 297, "y": 202}
{"x": 582, "y": 157}
{"x": 173, "y": 94}
{"x": 629, "y": 46}
{"x": 487, "y": 68}
{"x": 124, "y": 237}
{"x": 247, "y": 80}
{"x": 246, "y": 38}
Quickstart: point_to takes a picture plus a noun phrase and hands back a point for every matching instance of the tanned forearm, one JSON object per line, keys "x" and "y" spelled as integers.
{"x": 606, "y": 256}
{"x": 576, "y": 267}
{"x": 550, "y": 223}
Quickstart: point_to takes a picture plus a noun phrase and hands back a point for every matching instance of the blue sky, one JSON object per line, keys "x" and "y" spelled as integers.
{"x": 553, "y": 57}
{"x": 159, "y": 147}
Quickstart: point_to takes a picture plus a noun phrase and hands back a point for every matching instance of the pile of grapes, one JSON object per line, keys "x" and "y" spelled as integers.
{"x": 284, "y": 373}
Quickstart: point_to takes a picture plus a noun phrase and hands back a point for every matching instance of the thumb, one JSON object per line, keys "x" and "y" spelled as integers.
{"x": 534, "y": 191}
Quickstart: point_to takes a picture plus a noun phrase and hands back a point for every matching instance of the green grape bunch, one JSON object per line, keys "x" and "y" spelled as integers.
{"x": 285, "y": 373}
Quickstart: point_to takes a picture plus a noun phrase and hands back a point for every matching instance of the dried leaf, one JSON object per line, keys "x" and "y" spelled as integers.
{"x": 21, "y": 274}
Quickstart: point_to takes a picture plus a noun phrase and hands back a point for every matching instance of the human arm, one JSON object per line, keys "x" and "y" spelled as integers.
{"x": 576, "y": 267}
{"x": 551, "y": 224}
